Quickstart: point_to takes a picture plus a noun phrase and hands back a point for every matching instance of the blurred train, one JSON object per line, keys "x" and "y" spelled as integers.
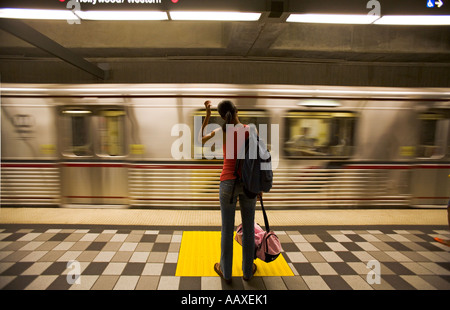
{"x": 113, "y": 145}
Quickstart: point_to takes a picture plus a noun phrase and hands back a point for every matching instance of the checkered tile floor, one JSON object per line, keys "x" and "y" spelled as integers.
{"x": 126, "y": 257}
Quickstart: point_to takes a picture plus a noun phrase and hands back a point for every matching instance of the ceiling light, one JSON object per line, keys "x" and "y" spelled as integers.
{"x": 319, "y": 103}
{"x": 332, "y": 18}
{"x": 219, "y": 16}
{"x": 422, "y": 20}
{"x": 36, "y": 14}
{"x": 76, "y": 112}
{"x": 122, "y": 15}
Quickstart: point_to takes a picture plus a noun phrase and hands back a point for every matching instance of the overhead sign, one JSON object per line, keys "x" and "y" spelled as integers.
{"x": 435, "y": 3}
{"x": 160, "y": 5}
{"x": 387, "y": 7}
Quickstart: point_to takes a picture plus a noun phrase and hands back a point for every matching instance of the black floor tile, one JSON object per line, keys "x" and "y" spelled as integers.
{"x": 17, "y": 268}
{"x": 60, "y": 283}
{"x": 169, "y": 269}
{"x": 305, "y": 269}
{"x": 148, "y": 238}
{"x": 96, "y": 246}
{"x": 343, "y": 268}
{"x": 320, "y": 246}
{"x": 398, "y": 246}
{"x": 133, "y": 269}
{"x": 336, "y": 282}
{"x": 14, "y": 237}
{"x": 160, "y": 247}
{"x": 20, "y": 283}
{"x": 397, "y": 282}
{"x": 55, "y": 268}
{"x": 398, "y": 268}
{"x": 351, "y": 246}
{"x": 355, "y": 237}
{"x": 59, "y": 237}
{"x": 289, "y": 247}
{"x": 190, "y": 283}
{"x": 348, "y": 256}
{"x": 95, "y": 268}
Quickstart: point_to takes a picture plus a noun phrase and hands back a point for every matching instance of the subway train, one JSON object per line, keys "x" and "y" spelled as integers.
{"x": 136, "y": 146}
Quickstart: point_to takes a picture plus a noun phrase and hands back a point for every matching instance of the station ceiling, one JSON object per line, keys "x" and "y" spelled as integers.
{"x": 252, "y": 40}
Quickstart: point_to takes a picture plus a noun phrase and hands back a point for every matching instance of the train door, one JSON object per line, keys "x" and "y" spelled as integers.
{"x": 92, "y": 145}
{"x": 431, "y": 175}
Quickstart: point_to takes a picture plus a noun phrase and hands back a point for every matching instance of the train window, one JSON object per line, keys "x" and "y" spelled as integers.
{"x": 256, "y": 117}
{"x": 319, "y": 134}
{"x": 111, "y": 132}
{"x": 76, "y": 132}
{"x": 434, "y": 135}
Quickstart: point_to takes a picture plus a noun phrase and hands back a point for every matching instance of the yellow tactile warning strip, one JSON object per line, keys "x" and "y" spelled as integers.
{"x": 200, "y": 250}
{"x": 212, "y": 217}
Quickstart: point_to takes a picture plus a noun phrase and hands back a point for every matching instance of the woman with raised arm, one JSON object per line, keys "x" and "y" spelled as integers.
{"x": 228, "y": 200}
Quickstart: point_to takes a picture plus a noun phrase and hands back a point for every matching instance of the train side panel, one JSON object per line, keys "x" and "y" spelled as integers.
{"x": 29, "y": 174}
{"x": 116, "y": 151}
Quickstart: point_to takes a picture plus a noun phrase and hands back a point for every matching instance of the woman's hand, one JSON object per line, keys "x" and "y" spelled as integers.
{"x": 201, "y": 136}
{"x": 208, "y": 107}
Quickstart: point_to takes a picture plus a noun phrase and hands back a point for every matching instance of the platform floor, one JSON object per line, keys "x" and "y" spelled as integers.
{"x": 43, "y": 249}
{"x": 212, "y": 217}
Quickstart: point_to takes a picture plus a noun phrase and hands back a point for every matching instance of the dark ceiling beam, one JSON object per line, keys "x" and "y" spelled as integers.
{"x": 34, "y": 37}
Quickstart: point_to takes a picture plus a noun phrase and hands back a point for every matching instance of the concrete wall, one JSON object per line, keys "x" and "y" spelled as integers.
{"x": 231, "y": 71}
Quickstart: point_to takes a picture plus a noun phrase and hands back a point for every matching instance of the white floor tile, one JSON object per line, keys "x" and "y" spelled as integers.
{"x": 330, "y": 256}
{"x": 152, "y": 269}
{"x": 296, "y": 257}
{"x": 114, "y": 269}
{"x": 418, "y": 282}
{"x": 126, "y": 283}
{"x": 104, "y": 256}
{"x": 336, "y": 246}
{"x": 324, "y": 269}
{"x": 357, "y": 282}
{"x": 86, "y": 282}
{"x": 315, "y": 283}
{"x": 211, "y": 283}
{"x": 128, "y": 246}
{"x": 341, "y": 238}
{"x": 139, "y": 257}
{"x": 41, "y": 283}
{"x": 169, "y": 283}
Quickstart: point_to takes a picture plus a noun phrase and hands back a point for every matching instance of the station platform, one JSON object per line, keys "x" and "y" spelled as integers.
{"x": 137, "y": 249}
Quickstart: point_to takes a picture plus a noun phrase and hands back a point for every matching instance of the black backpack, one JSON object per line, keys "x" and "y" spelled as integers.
{"x": 255, "y": 164}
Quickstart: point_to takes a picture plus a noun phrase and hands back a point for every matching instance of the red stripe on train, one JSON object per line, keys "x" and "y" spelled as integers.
{"x": 205, "y": 166}
{"x": 94, "y": 165}
{"x": 94, "y": 197}
{"x": 10, "y": 198}
{"x": 176, "y": 166}
{"x": 274, "y": 199}
{"x": 394, "y": 167}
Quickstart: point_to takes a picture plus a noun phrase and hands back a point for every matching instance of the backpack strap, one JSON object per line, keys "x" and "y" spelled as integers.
{"x": 266, "y": 220}
{"x": 236, "y": 169}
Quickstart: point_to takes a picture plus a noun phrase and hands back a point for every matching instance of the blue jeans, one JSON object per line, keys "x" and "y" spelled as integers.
{"x": 228, "y": 209}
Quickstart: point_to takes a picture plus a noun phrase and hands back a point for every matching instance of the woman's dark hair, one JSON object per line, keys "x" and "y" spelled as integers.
{"x": 227, "y": 111}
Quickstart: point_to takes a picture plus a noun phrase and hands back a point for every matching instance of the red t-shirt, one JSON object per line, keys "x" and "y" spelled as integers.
{"x": 229, "y": 163}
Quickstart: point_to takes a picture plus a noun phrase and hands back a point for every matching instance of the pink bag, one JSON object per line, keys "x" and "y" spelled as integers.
{"x": 259, "y": 234}
{"x": 270, "y": 247}
{"x": 267, "y": 244}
